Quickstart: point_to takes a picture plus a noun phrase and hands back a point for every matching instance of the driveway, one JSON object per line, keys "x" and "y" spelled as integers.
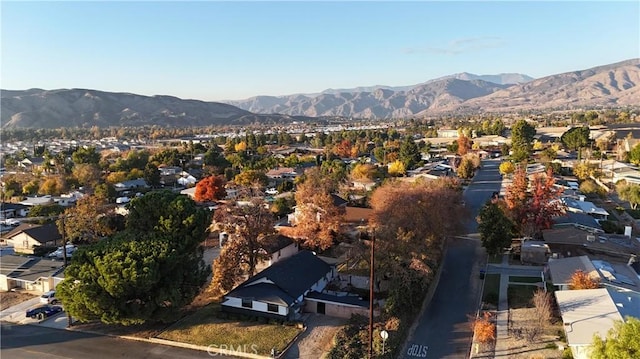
{"x": 317, "y": 339}
{"x": 17, "y": 314}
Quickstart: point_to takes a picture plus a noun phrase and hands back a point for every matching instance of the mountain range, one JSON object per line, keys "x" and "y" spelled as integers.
{"x": 612, "y": 85}
{"x": 37, "y": 108}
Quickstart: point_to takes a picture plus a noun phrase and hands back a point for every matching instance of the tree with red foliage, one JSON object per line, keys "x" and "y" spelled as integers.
{"x": 544, "y": 203}
{"x": 533, "y": 211}
{"x": 210, "y": 189}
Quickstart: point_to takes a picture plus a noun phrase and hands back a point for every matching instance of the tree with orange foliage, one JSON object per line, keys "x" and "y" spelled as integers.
{"x": 582, "y": 280}
{"x": 410, "y": 216}
{"x": 516, "y": 193}
{"x": 464, "y": 145}
{"x": 210, "y": 189}
{"x": 411, "y": 222}
{"x": 317, "y": 218}
{"x": 343, "y": 149}
{"x": 484, "y": 330}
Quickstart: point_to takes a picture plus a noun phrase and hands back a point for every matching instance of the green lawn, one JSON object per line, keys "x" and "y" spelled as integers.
{"x": 491, "y": 291}
{"x": 519, "y": 296}
{"x": 496, "y": 258}
{"x": 205, "y": 328}
{"x": 525, "y": 279}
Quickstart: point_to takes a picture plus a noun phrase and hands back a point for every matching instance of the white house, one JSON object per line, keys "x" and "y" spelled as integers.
{"x": 139, "y": 183}
{"x": 37, "y": 201}
{"x": 586, "y": 207}
{"x": 448, "y": 133}
{"x": 282, "y": 247}
{"x": 12, "y": 210}
{"x": 29, "y": 273}
{"x": 278, "y": 292}
{"x": 589, "y": 312}
{"x": 187, "y": 180}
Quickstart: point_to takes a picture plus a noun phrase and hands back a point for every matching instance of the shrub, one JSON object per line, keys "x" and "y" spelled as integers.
{"x": 41, "y": 251}
{"x": 611, "y": 227}
{"x": 484, "y": 330}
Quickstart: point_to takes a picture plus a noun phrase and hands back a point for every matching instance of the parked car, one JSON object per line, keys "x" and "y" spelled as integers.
{"x": 271, "y": 191}
{"x": 12, "y": 222}
{"x": 58, "y": 252}
{"x": 44, "y": 311}
{"x": 49, "y": 298}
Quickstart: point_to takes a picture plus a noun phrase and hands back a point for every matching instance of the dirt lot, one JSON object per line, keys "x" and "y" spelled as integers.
{"x": 8, "y": 299}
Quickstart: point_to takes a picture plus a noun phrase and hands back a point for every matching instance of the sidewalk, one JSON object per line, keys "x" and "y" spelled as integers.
{"x": 502, "y": 318}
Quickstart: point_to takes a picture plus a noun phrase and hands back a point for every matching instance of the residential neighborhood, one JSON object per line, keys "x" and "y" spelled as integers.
{"x": 281, "y": 236}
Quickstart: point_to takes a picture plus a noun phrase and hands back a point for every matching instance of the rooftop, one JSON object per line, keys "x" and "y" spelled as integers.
{"x": 586, "y": 312}
{"x": 29, "y": 269}
{"x": 562, "y": 269}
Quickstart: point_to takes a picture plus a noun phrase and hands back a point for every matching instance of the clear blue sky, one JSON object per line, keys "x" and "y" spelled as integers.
{"x": 211, "y": 50}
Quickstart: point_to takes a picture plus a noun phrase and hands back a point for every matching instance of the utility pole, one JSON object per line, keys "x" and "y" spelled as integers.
{"x": 373, "y": 243}
{"x": 64, "y": 258}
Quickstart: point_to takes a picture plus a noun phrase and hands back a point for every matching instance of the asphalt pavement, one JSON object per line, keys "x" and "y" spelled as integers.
{"x": 38, "y": 342}
{"x": 443, "y": 329}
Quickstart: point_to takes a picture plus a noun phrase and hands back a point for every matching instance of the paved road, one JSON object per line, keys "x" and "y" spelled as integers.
{"x": 37, "y": 342}
{"x": 486, "y": 181}
{"x": 443, "y": 331}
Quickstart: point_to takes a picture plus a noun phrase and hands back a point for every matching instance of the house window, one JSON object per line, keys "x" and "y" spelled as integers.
{"x": 247, "y": 303}
{"x": 272, "y": 308}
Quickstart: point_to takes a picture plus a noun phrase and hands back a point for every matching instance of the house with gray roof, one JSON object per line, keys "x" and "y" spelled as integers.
{"x": 27, "y": 236}
{"x": 29, "y": 273}
{"x": 562, "y": 269}
{"x": 278, "y": 292}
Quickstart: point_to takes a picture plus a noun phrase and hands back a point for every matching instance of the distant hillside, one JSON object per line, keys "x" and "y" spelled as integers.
{"x": 309, "y": 103}
{"x": 610, "y": 85}
{"x": 379, "y": 103}
{"x": 36, "y": 108}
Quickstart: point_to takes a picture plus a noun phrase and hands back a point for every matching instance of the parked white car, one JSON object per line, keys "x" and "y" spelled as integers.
{"x": 271, "y": 191}
{"x": 49, "y": 298}
{"x": 11, "y": 222}
{"x": 58, "y": 252}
